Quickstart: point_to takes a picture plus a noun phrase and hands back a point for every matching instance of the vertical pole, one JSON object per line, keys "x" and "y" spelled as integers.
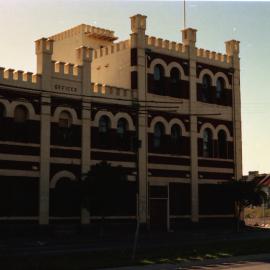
{"x": 184, "y": 14}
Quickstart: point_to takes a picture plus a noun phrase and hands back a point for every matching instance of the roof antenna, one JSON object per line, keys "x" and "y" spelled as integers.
{"x": 184, "y": 14}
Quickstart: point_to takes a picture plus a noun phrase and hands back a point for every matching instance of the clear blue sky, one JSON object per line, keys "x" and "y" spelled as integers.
{"x": 23, "y": 21}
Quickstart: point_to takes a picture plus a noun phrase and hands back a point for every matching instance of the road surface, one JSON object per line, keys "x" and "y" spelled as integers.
{"x": 251, "y": 262}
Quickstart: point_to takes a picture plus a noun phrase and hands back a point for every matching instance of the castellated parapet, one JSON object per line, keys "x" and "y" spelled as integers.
{"x": 19, "y": 78}
{"x": 114, "y": 48}
{"x": 170, "y": 46}
{"x": 102, "y": 90}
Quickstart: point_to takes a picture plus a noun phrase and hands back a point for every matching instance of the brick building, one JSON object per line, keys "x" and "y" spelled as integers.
{"x": 92, "y": 98}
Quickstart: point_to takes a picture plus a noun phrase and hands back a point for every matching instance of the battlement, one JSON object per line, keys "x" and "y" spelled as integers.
{"x": 67, "y": 71}
{"x": 20, "y": 78}
{"x": 110, "y": 91}
{"x": 114, "y": 48}
{"x": 88, "y": 30}
{"x": 165, "y": 44}
{"x": 213, "y": 56}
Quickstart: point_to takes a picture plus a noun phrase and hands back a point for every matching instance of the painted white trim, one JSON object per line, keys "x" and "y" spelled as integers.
{"x": 6, "y": 106}
{"x": 223, "y": 127}
{"x": 180, "y": 124}
{"x": 24, "y": 173}
{"x": 127, "y": 117}
{"x": 61, "y": 160}
{"x": 211, "y": 127}
{"x": 215, "y": 159}
{"x": 203, "y": 181}
{"x": 169, "y": 167}
{"x": 224, "y": 77}
{"x": 72, "y": 112}
{"x": 161, "y": 62}
{"x": 111, "y": 151}
{"x": 216, "y": 170}
{"x": 12, "y": 157}
{"x": 65, "y": 147}
{"x": 162, "y": 120}
{"x": 206, "y": 71}
{"x": 116, "y": 163}
{"x": 19, "y": 144}
{"x": 61, "y": 174}
{"x": 99, "y": 114}
{"x": 168, "y": 155}
{"x": 180, "y": 68}
{"x": 29, "y": 107}
{"x": 156, "y": 180}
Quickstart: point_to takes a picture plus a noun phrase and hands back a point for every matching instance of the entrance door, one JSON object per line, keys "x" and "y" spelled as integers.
{"x": 158, "y": 214}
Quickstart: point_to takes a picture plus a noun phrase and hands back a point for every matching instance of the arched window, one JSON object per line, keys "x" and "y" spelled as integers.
{"x": 175, "y": 75}
{"x": 104, "y": 124}
{"x": 121, "y": 128}
{"x": 158, "y": 72}
{"x": 176, "y": 138}
{"x": 65, "y": 120}
{"x": 20, "y": 114}
{"x": 222, "y": 144}
{"x": 219, "y": 88}
{"x": 159, "y": 80}
{"x": 158, "y": 135}
{"x": 175, "y": 134}
{"x": 207, "y": 143}
{"x": 206, "y": 88}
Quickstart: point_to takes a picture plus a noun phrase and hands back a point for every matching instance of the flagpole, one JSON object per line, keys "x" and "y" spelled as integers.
{"x": 184, "y": 14}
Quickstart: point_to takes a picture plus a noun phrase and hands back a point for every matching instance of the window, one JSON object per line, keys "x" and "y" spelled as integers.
{"x": 2, "y": 111}
{"x": 207, "y": 143}
{"x": 206, "y": 88}
{"x": 175, "y": 134}
{"x": 158, "y": 135}
{"x": 104, "y": 124}
{"x": 158, "y": 72}
{"x": 65, "y": 120}
{"x": 121, "y": 128}
{"x": 175, "y": 75}
{"x": 222, "y": 144}
{"x": 219, "y": 88}
{"x": 20, "y": 114}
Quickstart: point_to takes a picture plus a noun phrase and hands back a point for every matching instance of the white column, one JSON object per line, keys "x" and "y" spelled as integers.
{"x": 138, "y": 26}
{"x": 189, "y": 40}
{"x": 44, "y": 185}
{"x": 86, "y": 151}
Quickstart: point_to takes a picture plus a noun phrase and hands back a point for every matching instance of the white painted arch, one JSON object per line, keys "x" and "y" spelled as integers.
{"x": 179, "y": 67}
{"x": 99, "y": 114}
{"x": 206, "y": 72}
{"x": 127, "y": 117}
{"x": 223, "y": 127}
{"x": 59, "y": 175}
{"x": 159, "y": 119}
{"x": 161, "y": 62}
{"x": 178, "y": 122}
{"x": 6, "y": 105}
{"x": 211, "y": 127}
{"x": 224, "y": 77}
{"x": 71, "y": 111}
{"x": 28, "y": 106}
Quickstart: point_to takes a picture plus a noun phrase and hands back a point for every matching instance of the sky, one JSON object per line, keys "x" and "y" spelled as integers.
{"x": 24, "y": 21}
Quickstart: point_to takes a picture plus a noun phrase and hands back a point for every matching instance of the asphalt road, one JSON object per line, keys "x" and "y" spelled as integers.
{"x": 251, "y": 262}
